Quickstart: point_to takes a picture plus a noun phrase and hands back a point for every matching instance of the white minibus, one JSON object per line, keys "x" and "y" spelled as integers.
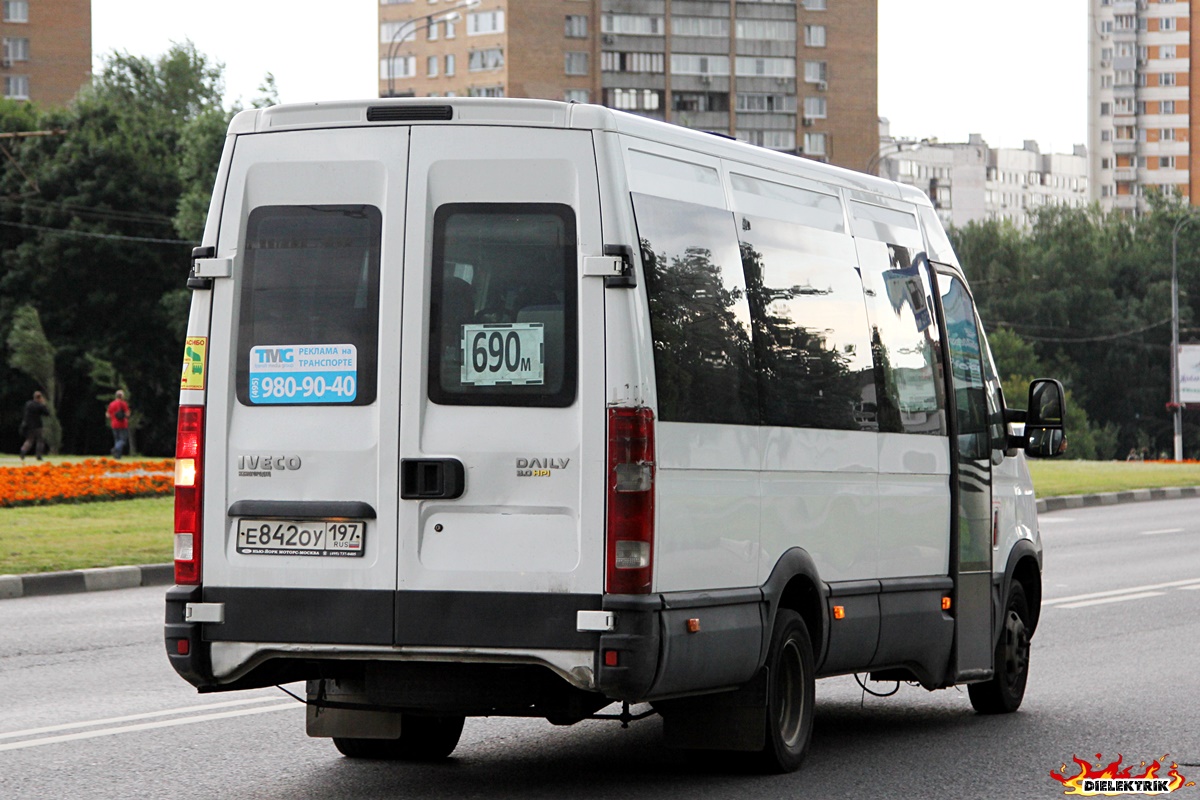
{"x": 515, "y": 407}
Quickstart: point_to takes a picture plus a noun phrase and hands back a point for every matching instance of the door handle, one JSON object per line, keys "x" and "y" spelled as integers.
{"x": 431, "y": 478}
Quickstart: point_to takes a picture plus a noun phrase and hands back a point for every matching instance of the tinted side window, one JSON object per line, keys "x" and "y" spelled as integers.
{"x": 810, "y": 329}
{"x": 966, "y": 369}
{"x": 699, "y": 312}
{"x": 308, "y": 330}
{"x": 502, "y": 309}
{"x": 904, "y": 339}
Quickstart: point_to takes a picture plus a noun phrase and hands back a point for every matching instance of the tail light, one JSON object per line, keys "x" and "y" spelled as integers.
{"x": 189, "y": 493}
{"x": 630, "y": 541}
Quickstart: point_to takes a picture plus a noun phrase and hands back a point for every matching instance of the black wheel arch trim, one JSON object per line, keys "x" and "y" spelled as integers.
{"x": 797, "y": 563}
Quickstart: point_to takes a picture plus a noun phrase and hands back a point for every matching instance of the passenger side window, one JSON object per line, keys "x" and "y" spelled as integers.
{"x": 502, "y": 314}
{"x": 308, "y": 324}
{"x": 699, "y": 312}
{"x": 904, "y": 339}
{"x": 810, "y": 329}
{"x": 966, "y": 369}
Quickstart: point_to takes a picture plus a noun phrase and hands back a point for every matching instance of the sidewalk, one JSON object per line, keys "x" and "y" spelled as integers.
{"x": 104, "y": 578}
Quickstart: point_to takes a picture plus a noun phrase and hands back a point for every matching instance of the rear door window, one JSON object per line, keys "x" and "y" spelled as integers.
{"x": 503, "y": 305}
{"x": 309, "y": 316}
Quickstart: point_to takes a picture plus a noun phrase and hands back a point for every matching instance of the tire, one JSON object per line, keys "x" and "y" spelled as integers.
{"x": 791, "y": 695}
{"x": 422, "y": 739}
{"x": 1010, "y": 663}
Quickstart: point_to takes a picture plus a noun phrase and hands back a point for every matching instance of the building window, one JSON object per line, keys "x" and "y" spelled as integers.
{"x": 16, "y": 87}
{"x": 1166, "y": 79}
{"x": 749, "y": 66}
{"x": 577, "y": 63}
{"x": 699, "y": 101}
{"x": 1106, "y": 109}
{"x": 766, "y": 29}
{"x": 1166, "y": 135}
{"x": 481, "y": 22}
{"x": 480, "y": 60}
{"x": 1166, "y": 162}
{"x": 433, "y": 32}
{"x": 1166, "y": 24}
{"x": 814, "y": 35}
{"x": 634, "y": 99}
{"x": 684, "y": 64}
{"x": 16, "y": 10}
{"x": 776, "y": 140}
{"x": 614, "y": 61}
{"x": 449, "y": 65}
{"x": 816, "y": 71}
{"x": 1166, "y": 107}
{"x": 16, "y": 49}
{"x": 717, "y": 27}
{"x": 815, "y": 5}
{"x": 397, "y": 67}
{"x": 577, "y": 96}
{"x": 577, "y": 26}
{"x": 749, "y": 102}
{"x": 632, "y": 24}
{"x": 1166, "y": 51}
{"x": 485, "y": 91}
{"x": 388, "y": 31}
{"x": 393, "y": 2}
{"x": 815, "y": 108}
{"x": 431, "y": 66}
{"x": 451, "y": 30}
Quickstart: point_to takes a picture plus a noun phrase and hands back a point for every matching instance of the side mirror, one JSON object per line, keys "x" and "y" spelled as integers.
{"x": 1044, "y": 434}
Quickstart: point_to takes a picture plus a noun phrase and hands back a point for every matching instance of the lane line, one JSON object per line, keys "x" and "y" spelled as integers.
{"x": 1115, "y": 592}
{"x": 1164, "y": 530}
{"x": 130, "y": 717}
{"x": 1102, "y": 600}
{"x": 146, "y": 726}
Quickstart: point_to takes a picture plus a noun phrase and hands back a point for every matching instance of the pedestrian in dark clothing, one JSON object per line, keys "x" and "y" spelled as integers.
{"x": 32, "y": 426}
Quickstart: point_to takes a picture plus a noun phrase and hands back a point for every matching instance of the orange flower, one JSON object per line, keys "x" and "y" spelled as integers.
{"x": 83, "y": 481}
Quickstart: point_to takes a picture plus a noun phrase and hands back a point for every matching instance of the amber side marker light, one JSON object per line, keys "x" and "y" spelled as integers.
{"x": 945, "y": 604}
{"x": 839, "y": 612}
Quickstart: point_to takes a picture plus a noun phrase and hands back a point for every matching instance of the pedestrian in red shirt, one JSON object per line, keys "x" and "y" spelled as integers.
{"x": 118, "y": 420}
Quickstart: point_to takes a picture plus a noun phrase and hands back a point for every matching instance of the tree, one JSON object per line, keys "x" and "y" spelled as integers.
{"x": 31, "y": 353}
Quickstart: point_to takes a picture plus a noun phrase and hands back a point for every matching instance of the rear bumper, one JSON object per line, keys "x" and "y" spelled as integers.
{"x": 296, "y": 634}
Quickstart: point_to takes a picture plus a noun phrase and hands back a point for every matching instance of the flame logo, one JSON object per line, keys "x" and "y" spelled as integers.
{"x": 1113, "y": 771}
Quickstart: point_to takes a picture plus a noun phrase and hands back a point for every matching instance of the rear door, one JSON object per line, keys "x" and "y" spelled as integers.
{"x": 301, "y": 534}
{"x": 511, "y": 346}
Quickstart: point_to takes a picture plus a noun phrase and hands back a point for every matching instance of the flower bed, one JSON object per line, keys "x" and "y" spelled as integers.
{"x": 84, "y": 481}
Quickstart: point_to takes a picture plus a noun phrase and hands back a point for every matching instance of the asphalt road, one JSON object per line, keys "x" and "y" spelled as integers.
{"x": 89, "y": 707}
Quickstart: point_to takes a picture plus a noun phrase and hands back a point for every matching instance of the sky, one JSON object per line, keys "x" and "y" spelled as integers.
{"x": 1010, "y": 71}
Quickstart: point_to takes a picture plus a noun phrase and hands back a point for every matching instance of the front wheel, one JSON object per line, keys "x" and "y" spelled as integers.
{"x": 791, "y": 694}
{"x": 421, "y": 739}
{"x": 1010, "y": 663}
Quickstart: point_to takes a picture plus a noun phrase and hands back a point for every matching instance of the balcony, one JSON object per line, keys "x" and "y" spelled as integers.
{"x": 1124, "y": 174}
{"x": 1124, "y": 147}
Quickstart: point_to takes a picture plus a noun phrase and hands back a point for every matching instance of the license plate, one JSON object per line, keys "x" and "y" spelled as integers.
{"x": 291, "y": 537}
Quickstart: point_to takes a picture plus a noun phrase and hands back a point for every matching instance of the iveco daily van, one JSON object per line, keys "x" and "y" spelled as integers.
{"x": 515, "y": 407}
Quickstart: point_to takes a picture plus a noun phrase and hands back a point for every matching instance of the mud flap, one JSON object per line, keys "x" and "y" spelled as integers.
{"x": 734, "y": 720}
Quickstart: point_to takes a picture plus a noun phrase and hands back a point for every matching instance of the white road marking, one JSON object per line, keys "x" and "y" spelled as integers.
{"x": 1191, "y": 588}
{"x": 1059, "y": 601}
{"x": 1164, "y": 530}
{"x": 146, "y": 726}
{"x": 1055, "y": 518}
{"x": 1119, "y": 599}
{"x": 130, "y": 717}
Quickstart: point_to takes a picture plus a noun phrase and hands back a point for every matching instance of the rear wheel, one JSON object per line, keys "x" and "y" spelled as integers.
{"x": 791, "y": 694}
{"x": 1006, "y": 689}
{"x": 421, "y": 739}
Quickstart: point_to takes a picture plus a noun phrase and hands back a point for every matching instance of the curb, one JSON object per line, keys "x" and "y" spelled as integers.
{"x": 104, "y": 578}
{"x": 85, "y": 580}
{"x": 1047, "y": 504}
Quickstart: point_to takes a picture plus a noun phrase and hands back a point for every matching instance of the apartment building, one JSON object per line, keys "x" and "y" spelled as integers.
{"x": 47, "y": 52}
{"x": 1140, "y": 121}
{"x": 971, "y": 182}
{"x": 792, "y": 75}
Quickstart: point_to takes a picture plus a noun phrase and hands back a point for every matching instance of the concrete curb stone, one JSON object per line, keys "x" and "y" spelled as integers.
{"x": 1047, "y": 504}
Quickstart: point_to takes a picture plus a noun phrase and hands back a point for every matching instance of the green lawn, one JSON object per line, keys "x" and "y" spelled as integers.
{"x": 79, "y": 535}
{"x": 1053, "y": 477}
{"x": 121, "y": 532}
